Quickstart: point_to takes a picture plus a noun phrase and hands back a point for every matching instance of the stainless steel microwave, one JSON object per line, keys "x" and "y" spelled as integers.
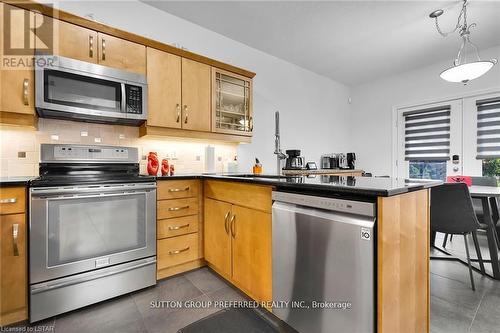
{"x": 72, "y": 89}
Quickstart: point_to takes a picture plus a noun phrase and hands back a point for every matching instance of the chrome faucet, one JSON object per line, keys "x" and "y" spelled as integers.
{"x": 277, "y": 149}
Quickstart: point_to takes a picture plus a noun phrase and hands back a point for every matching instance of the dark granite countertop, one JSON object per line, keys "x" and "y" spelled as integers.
{"x": 325, "y": 184}
{"x": 314, "y": 184}
{"x": 15, "y": 181}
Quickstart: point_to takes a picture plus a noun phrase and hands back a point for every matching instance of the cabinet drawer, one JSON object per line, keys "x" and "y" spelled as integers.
{"x": 174, "y": 189}
{"x": 177, "y": 208}
{"x": 177, "y": 250}
{"x": 177, "y": 226}
{"x": 12, "y": 200}
{"x": 245, "y": 195}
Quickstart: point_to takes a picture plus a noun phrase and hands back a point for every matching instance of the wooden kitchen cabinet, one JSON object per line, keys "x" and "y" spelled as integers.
{"x": 238, "y": 238}
{"x": 231, "y": 103}
{"x": 17, "y": 79}
{"x": 70, "y": 40}
{"x": 179, "y": 230}
{"x": 120, "y": 53}
{"x": 13, "y": 256}
{"x": 164, "y": 89}
{"x": 195, "y": 96}
{"x": 252, "y": 265}
{"x": 217, "y": 236}
{"x": 178, "y": 91}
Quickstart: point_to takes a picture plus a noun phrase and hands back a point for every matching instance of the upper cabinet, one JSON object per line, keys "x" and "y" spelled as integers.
{"x": 195, "y": 95}
{"x": 189, "y": 95}
{"x": 164, "y": 89}
{"x": 232, "y": 103}
{"x": 179, "y": 92}
{"x": 16, "y": 83}
{"x": 76, "y": 42}
{"x": 120, "y": 53}
{"x": 71, "y": 41}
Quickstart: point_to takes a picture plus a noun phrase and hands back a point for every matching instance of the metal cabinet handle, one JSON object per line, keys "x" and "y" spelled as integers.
{"x": 177, "y": 227}
{"x": 178, "y": 251}
{"x": 226, "y": 226}
{"x": 91, "y": 46}
{"x": 103, "y": 44}
{"x": 15, "y": 233}
{"x": 186, "y": 114}
{"x": 173, "y": 209}
{"x": 233, "y": 228}
{"x": 179, "y": 189}
{"x": 8, "y": 200}
{"x": 178, "y": 108}
{"x": 25, "y": 91}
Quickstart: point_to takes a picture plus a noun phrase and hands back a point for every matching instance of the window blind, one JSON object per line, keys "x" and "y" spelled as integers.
{"x": 488, "y": 128}
{"x": 427, "y": 134}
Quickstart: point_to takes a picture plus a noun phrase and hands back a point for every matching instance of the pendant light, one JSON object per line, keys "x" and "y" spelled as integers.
{"x": 467, "y": 65}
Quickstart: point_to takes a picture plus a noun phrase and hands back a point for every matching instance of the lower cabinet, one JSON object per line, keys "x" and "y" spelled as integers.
{"x": 13, "y": 254}
{"x": 251, "y": 249}
{"x": 179, "y": 233}
{"x": 217, "y": 237}
{"x": 238, "y": 241}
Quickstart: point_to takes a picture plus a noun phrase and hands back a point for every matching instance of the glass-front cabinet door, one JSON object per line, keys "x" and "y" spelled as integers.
{"x": 232, "y": 103}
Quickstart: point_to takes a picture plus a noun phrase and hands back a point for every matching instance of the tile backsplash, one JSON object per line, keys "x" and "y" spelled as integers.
{"x": 20, "y": 147}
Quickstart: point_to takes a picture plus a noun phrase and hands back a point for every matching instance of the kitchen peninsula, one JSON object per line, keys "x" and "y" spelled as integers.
{"x": 243, "y": 254}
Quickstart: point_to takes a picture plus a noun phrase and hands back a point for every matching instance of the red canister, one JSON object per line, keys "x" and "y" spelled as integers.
{"x": 153, "y": 164}
{"x": 164, "y": 167}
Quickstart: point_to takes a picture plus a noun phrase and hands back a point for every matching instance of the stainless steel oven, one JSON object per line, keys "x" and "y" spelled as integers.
{"x": 72, "y": 89}
{"x": 92, "y": 228}
{"x": 81, "y": 228}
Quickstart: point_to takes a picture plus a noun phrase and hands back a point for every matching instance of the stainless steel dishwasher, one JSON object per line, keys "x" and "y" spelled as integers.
{"x": 323, "y": 263}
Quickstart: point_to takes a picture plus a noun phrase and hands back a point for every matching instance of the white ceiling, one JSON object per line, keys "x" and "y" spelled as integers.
{"x": 349, "y": 41}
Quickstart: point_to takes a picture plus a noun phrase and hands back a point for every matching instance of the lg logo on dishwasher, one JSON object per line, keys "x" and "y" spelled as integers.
{"x": 366, "y": 234}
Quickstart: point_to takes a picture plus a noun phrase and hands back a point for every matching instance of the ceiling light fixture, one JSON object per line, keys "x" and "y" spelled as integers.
{"x": 464, "y": 68}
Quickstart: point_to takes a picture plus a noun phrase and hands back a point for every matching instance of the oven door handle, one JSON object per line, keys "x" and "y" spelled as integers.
{"x": 59, "y": 191}
{"x": 95, "y": 195}
{"x": 94, "y": 276}
{"x": 124, "y": 98}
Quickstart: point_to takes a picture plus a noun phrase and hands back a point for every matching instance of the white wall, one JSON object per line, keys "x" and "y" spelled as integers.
{"x": 314, "y": 109}
{"x": 372, "y": 104}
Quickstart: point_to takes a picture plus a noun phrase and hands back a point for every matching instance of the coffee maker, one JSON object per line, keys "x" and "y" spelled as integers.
{"x": 351, "y": 160}
{"x": 342, "y": 161}
{"x": 294, "y": 161}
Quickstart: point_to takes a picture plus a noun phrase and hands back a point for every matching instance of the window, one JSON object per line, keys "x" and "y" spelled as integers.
{"x": 428, "y": 170}
{"x": 491, "y": 167}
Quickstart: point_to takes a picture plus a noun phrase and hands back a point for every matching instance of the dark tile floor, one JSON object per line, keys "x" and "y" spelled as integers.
{"x": 454, "y": 306}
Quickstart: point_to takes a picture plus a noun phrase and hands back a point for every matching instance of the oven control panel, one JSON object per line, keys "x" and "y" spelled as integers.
{"x": 82, "y": 153}
{"x": 90, "y": 153}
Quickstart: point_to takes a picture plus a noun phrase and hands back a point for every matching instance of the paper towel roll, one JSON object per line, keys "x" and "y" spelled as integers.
{"x": 209, "y": 159}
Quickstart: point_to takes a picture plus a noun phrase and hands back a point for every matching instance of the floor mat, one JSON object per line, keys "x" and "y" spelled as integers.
{"x": 230, "y": 321}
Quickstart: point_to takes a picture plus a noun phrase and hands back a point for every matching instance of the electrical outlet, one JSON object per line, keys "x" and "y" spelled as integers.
{"x": 54, "y": 137}
{"x": 121, "y": 136}
{"x": 21, "y": 154}
{"x": 97, "y": 140}
{"x": 84, "y": 133}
